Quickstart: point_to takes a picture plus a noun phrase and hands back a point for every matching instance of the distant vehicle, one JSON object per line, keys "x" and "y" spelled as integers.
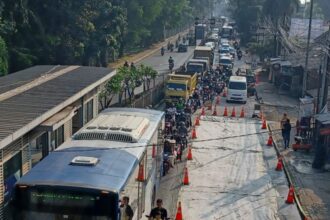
{"x": 203, "y": 51}
{"x": 203, "y": 62}
{"x": 224, "y": 41}
{"x": 85, "y": 177}
{"x": 227, "y": 32}
{"x": 225, "y": 52}
{"x": 237, "y": 89}
{"x": 210, "y": 44}
{"x": 215, "y": 31}
{"x": 196, "y": 68}
{"x": 200, "y": 31}
{"x": 232, "y": 51}
{"x": 182, "y": 48}
{"x": 226, "y": 61}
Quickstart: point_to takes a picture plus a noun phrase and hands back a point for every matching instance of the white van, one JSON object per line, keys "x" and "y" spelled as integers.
{"x": 237, "y": 89}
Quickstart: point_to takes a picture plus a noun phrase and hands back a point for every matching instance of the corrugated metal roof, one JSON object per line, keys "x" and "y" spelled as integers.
{"x": 22, "y": 77}
{"x": 23, "y": 109}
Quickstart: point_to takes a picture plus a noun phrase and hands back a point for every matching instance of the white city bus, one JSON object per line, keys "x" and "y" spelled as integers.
{"x": 86, "y": 177}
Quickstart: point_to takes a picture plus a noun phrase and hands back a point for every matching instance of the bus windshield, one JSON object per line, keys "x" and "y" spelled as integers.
{"x": 237, "y": 85}
{"x": 55, "y": 203}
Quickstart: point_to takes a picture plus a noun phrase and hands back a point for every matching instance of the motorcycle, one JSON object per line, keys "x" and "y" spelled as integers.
{"x": 239, "y": 54}
{"x": 171, "y": 47}
{"x": 166, "y": 164}
{"x": 171, "y": 65}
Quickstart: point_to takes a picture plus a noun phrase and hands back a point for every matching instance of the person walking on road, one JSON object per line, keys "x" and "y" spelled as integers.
{"x": 126, "y": 211}
{"x": 158, "y": 211}
{"x": 283, "y": 121}
{"x": 286, "y": 133}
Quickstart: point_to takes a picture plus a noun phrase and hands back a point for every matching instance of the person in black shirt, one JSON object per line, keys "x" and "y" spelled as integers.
{"x": 159, "y": 210}
{"x": 286, "y": 133}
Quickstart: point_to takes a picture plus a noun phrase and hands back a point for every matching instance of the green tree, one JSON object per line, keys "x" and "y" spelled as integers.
{"x": 114, "y": 86}
{"x": 3, "y": 58}
{"x": 147, "y": 73}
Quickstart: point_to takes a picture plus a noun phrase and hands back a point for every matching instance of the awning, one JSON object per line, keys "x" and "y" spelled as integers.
{"x": 57, "y": 120}
{"x": 323, "y": 118}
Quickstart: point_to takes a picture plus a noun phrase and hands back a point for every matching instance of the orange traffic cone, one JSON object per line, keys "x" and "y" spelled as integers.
{"x": 225, "y": 113}
{"x": 242, "y": 113}
{"x": 279, "y": 165}
{"x": 178, "y": 215}
{"x": 264, "y": 126}
{"x": 218, "y": 100}
{"x": 153, "y": 151}
{"x": 189, "y": 156}
{"x": 197, "y": 121}
{"x": 290, "y": 199}
{"x": 140, "y": 177}
{"x": 185, "y": 176}
{"x": 203, "y": 111}
{"x": 193, "y": 133}
{"x": 215, "y": 111}
{"x": 233, "y": 113}
{"x": 270, "y": 141}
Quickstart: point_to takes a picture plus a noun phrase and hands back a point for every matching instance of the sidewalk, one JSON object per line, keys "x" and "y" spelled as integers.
{"x": 312, "y": 187}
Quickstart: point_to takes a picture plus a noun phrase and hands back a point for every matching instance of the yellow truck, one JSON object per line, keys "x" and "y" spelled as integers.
{"x": 180, "y": 85}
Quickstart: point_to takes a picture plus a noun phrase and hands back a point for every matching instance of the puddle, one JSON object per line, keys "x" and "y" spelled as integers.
{"x": 303, "y": 166}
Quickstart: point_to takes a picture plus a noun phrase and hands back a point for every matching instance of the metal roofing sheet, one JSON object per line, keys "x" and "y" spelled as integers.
{"x": 18, "y": 111}
{"x": 22, "y": 77}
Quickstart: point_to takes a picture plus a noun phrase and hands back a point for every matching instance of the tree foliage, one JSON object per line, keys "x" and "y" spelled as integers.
{"x": 248, "y": 13}
{"x": 85, "y": 32}
{"x": 127, "y": 79}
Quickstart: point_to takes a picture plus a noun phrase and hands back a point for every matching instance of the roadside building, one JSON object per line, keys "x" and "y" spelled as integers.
{"x": 40, "y": 108}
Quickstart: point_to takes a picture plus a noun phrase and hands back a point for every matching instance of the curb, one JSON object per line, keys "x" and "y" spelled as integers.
{"x": 156, "y": 48}
{"x": 301, "y": 211}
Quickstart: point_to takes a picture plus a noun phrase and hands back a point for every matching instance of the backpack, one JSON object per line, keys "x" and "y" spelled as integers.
{"x": 129, "y": 211}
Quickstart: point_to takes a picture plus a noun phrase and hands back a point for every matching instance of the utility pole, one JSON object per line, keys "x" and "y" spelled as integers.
{"x": 321, "y": 152}
{"x": 304, "y": 88}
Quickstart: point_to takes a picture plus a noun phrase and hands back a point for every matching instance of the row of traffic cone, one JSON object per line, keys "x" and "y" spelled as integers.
{"x": 233, "y": 112}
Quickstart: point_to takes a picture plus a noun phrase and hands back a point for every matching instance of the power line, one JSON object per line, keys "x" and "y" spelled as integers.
{"x": 276, "y": 131}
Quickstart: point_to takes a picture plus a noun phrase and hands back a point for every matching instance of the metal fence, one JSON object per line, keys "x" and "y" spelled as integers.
{"x": 150, "y": 98}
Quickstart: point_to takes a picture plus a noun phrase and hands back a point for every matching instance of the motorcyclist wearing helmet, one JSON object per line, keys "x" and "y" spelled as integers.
{"x": 170, "y": 60}
{"x": 162, "y": 51}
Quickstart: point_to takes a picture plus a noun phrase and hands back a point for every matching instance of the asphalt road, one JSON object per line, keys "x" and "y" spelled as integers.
{"x": 160, "y": 64}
